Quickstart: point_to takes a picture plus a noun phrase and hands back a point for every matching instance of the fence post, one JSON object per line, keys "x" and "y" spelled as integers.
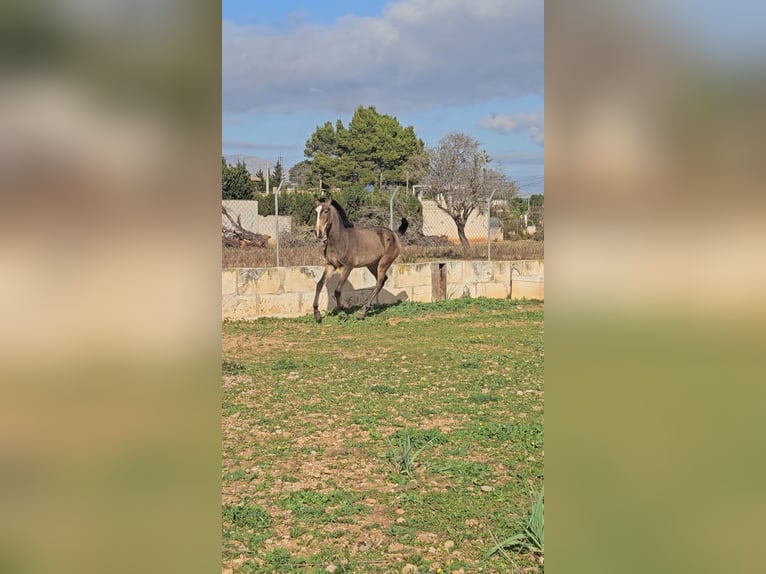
{"x": 276, "y": 215}
{"x": 391, "y": 209}
{"x": 276, "y": 218}
{"x": 489, "y": 225}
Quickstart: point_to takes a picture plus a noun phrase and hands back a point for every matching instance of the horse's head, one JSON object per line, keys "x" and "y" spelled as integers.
{"x": 324, "y": 218}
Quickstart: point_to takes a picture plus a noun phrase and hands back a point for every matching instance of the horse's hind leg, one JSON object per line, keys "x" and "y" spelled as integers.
{"x": 380, "y": 274}
{"x": 373, "y": 268}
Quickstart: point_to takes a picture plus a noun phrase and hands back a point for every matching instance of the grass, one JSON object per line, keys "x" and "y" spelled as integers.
{"x": 410, "y": 437}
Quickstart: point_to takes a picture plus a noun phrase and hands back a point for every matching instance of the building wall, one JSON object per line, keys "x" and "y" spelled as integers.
{"x": 289, "y": 291}
{"x": 438, "y": 223}
{"x": 247, "y": 211}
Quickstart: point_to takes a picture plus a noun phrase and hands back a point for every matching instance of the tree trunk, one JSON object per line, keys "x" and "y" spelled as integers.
{"x": 461, "y": 234}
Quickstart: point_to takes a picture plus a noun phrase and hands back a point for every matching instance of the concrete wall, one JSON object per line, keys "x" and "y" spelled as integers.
{"x": 289, "y": 291}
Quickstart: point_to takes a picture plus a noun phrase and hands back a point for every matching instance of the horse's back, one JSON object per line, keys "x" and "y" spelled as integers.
{"x": 376, "y": 243}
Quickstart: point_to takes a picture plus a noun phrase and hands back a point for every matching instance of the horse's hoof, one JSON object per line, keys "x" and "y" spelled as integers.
{"x": 317, "y": 316}
{"x": 361, "y": 314}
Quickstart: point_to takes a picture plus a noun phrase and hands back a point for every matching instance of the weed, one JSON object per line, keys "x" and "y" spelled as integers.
{"x": 407, "y": 446}
{"x": 465, "y": 471}
{"x": 230, "y": 367}
{"x": 382, "y": 389}
{"x": 284, "y": 364}
{"x": 532, "y": 535}
{"x": 233, "y": 476}
{"x": 247, "y": 515}
{"x": 278, "y": 557}
{"x": 530, "y": 435}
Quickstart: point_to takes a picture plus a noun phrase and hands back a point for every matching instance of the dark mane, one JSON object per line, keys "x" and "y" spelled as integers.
{"x": 343, "y": 216}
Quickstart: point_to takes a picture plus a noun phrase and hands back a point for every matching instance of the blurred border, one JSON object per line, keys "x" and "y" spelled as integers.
{"x": 654, "y": 306}
{"x": 110, "y": 332}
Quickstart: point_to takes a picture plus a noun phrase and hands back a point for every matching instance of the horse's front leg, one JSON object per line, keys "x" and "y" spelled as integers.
{"x": 343, "y": 276}
{"x": 328, "y": 270}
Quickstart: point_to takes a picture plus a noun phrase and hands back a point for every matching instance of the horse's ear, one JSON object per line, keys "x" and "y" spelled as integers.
{"x": 316, "y": 200}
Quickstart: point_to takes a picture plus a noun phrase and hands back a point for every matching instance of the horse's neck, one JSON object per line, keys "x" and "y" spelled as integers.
{"x": 338, "y": 236}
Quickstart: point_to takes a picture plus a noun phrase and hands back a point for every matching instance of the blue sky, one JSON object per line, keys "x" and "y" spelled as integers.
{"x": 474, "y": 66}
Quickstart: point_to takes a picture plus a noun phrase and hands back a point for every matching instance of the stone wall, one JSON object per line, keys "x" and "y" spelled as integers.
{"x": 289, "y": 291}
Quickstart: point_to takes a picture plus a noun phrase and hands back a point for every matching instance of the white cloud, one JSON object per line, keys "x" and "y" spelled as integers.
{"x": 537, "y": 134}
{"x": 517, "y": 123}
{"x": 418, "y": 54}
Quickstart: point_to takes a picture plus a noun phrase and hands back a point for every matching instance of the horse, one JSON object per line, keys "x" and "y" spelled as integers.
{"x": 347, "y": 247}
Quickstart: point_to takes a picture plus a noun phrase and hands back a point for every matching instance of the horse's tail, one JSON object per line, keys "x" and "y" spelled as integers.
{"x": 403, "y": 227}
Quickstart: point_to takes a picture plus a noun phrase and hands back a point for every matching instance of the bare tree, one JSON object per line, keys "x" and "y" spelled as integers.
{"x": 460, "y": 182}
{"x": 415, "y": 168}
{"x": 238, "y": 236}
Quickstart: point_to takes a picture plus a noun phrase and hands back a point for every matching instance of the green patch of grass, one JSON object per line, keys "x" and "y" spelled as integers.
{"x": 231, "y": 367}
{"x": 334, "y": 405}
{"x": 401, "y": 534}
{"x": 284, "y": 364}
{"x": 465, "y": 471}
{"x": 231, "y": 408}
{"x": 247, "y": 515}
{"x": 482, "y": 398}
{"x": 321, "y": 507}
{"x": 278, "y": 558}
{"x": 289, "y": 478}
{"x": 472, "y": 361}
{"x": 525, "y": 435}
{"x": 235, "y": 475}
{"x": 495, "y": 381}
{"x": 529, "y": 435}
{"x": 438, "y": 511}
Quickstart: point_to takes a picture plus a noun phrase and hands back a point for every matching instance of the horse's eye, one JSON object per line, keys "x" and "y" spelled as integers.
{"x": 325, "y": 211}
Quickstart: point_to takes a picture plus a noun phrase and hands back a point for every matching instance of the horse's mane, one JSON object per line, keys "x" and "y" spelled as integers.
{"x": 343, "y": 216}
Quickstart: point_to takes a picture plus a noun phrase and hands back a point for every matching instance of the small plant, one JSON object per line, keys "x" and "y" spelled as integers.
{"x": 279, "y": 557}
{"x": 382, "y": 389}
{"x": 231, "y": 367}
{"x": 285, "y": 364}
{"x": 246, "y": 516}
{"x": 532, "y": 536}
{"x": 406, "y": 450}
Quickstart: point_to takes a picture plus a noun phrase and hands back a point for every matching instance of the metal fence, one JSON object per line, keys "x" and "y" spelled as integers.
{"x": 255, "y": 240}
